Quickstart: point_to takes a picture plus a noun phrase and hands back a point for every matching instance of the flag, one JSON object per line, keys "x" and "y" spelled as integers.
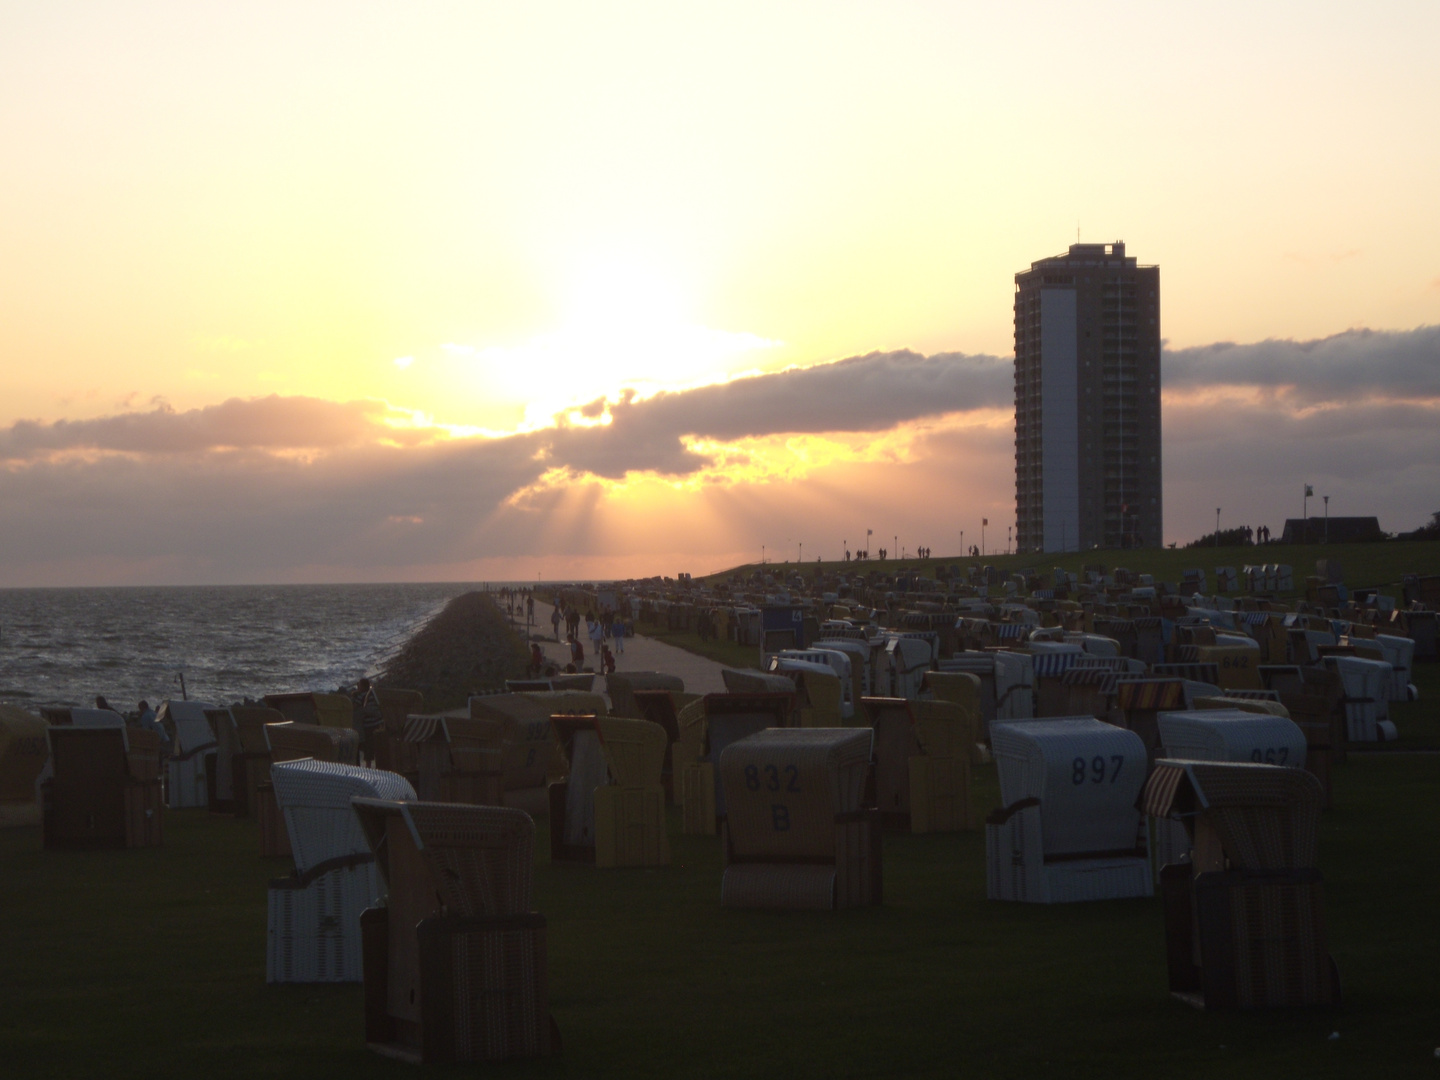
{"x": 984, "y": 521}
{"x": 1309, "y": 492}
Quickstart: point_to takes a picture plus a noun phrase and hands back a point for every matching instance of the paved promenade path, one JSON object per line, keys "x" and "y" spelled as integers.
{"x": 641, "y": 653}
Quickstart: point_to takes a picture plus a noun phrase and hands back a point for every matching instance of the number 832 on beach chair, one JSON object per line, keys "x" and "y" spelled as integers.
{"x": 795, "y": 832}
{"x": 1069, "y": 828}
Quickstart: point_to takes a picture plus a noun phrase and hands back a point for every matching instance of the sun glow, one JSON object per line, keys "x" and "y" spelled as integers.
{"x": 624, "y": 326}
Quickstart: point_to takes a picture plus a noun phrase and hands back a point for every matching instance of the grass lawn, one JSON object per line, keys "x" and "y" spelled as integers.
{"x": 151, "y": 963}
{"x": 722, "y": 652}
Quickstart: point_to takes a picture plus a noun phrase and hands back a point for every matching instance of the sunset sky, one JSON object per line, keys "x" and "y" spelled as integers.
{"x": 355, "y": 291}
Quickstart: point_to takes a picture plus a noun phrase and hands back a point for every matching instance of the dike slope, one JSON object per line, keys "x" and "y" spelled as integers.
{"x": 468, "y": 648}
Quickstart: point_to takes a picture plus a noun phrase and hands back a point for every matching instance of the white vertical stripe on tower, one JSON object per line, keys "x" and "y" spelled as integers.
{"x": 1059, "y": 420}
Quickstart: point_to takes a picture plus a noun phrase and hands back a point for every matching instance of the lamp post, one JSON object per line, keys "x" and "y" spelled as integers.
{"x": 1305, "y": 514}
{"x": 983, "y": 523}
{"x": 1008, "y": 528}
{"x": 868, "y": 533}
{"x": 1217, "y": 526}
{"x": 963, "y": 553}
{"x": 1327, "y": 517}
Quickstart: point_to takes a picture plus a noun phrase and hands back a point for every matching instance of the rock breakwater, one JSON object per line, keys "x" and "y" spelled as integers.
{"x": 468, "y": 648}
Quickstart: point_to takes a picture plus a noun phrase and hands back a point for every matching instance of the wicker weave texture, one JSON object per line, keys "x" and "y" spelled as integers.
{"x": 1266, "y": 817}
{"x": 940, "y": 795}
{"x": 1367, "y": 694}
{"x": 1232, "y": 735}
{"x": 755, "y": 682}
{"x": 634, "y": 750}
{"x": 315, "y": 796}
{"x": 313, "y": 933}
{"x": 1278, "y": 947}
{"x": 784, "y": 787}
{"x": 794, "y": 886}
{"x": 185, "y": 784}
{"x": 630, "y": 826}
{"x": 947, "y": 729}
{"x": 290, "y": 741}
{"x": 697, "y": 799}
{"x": 480, "y": 857}
{"x": 1016, "y": 868}
{"x": 1086, "y": 774}
{"x": 501, "y": 1000}
{"x": 621, "y": 687}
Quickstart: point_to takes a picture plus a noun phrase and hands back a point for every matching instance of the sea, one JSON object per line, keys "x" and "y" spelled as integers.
{"x": 228, "y": 642}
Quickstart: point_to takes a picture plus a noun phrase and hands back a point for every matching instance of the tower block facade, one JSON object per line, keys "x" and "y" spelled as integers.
{"x": 1087, "y": 402}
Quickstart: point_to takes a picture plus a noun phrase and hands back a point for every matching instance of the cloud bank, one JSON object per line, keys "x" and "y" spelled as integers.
{"x": 295, "y": 488}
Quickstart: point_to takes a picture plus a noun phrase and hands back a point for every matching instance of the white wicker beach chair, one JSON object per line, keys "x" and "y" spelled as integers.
{"x": 1399, "y": 652}
{"x": 1219, "y": 735}
{"x": 1068, "y": 828}
{"x": 314, "y": 915}
{"x": 191, "y": 739}
{"x": 1367, "y": 697}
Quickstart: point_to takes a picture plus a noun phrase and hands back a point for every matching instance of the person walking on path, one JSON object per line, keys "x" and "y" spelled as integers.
{"x": 596, "y": 634}
{"x": 555, "y": 620}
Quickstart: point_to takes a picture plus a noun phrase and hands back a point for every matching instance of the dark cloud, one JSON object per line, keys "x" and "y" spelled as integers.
{"x": 268, "y": 423}
{"x": 167, "y": 491}
{"x": 1357, "y": 363}
{"x": 864, "y": 393}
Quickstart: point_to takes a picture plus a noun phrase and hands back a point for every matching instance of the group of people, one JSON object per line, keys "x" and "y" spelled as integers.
{"x": 602, "y": 631}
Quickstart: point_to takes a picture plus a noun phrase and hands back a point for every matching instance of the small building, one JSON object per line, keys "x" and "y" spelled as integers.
{"x": 1337, "y": 530}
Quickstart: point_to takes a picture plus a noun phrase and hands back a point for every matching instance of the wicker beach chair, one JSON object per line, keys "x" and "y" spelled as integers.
{"x": 621, "y": 686}
{"x": 1244, "y": 922}
{"x": 739, "y": 681}
{"x": 249, "y": 754}
{"x": 688, "y": 749}
{"x": 1314, "y": 698}
{"x": 940, "y": 792}
{"x": 24, "y": 755}
{"x": 727, "y": 718}
{"x": 1367, "y": 686}
{"x": 1068, "y": 829}
{"x": 455, "y": 962}
{"x": 395, "y": 706}
{"x": 457, "y": 759}
{"x": 1219, "y": 735}
{"x": 191, "y": 741}
{"x": 327, "y": 710}
{"x": 1232, "y": 735}
{"x": 610, "y": 809}
{"x": 289, "y": 741}
{"x": 104, "y": 790}
{"x": 314, "y": 914}
{"x": 895, "y": 743}
{"x": 532, "y": 757}
{"x": 660, "y": 707}
{"x": 796, "y": 834}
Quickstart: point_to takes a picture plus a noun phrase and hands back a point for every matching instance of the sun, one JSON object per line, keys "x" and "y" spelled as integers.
{"x": 625, "y": 323}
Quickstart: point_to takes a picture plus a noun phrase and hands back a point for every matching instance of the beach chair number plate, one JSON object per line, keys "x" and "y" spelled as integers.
{"x": 772, "y": 781}
{"x": 774, "y": 778}
{"x": 1271, "y": 755}
{"x": 1096, "y": 769}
